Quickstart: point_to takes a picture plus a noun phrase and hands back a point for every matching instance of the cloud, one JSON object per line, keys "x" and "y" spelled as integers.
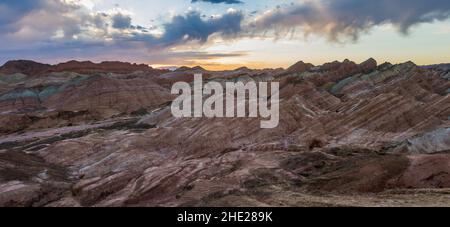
{"x": 343, "y": 19}
{"x": 191, "y": 27}
{"x": 11, "y": 10}
{"x": 121, "y": 21}
{"x": 68, "y": 21}
{"x": 14, "y": 14}
{"x": 190, "y": 57}
{"x": 35, "y": 21}
{"x": 188, "y": 29}
{"x": 219, "y": 1}
{"x": 62, "y": 28}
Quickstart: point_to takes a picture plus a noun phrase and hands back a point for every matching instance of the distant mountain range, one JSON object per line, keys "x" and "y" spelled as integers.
{"x": 445, "y": 67}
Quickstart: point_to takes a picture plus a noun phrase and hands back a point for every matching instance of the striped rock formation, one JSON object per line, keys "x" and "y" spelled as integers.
{"x": 349, "y": 135}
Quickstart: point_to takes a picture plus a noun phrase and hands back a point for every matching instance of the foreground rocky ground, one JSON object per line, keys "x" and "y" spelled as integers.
{"x": 84, "y": 134}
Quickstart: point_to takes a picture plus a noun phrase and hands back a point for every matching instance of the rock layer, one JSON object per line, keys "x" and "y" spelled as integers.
{"x": 376, "y": 134}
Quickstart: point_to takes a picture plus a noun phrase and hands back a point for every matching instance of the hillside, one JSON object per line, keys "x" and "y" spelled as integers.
{"x": 350, "y": 134}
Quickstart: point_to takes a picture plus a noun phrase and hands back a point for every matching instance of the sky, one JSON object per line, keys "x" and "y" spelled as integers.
{"x": 225, "y": 34}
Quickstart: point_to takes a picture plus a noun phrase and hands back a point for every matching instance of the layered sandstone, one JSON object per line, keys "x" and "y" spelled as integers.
{"x": 349, "y": 135}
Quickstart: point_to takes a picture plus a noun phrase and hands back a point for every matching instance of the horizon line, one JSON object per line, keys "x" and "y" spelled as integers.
{"x": 208, "y": 66}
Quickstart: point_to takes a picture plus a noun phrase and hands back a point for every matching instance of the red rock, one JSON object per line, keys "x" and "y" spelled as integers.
{"x": 23, "y": 66}
{"x": 33, "y": 68}
{"x": 89, "y": 67}
{"x": 379, "y": 139}
{"x": 300, "y": 67}
{"x": 368, "y": 65}
{"x": 426, "y": 171}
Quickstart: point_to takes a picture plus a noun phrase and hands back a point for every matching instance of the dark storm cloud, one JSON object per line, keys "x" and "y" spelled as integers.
{"x": 348, "y": 18}
{"x": 191, "y": 27}
{"x": 121, "y": 21}
{"x": 219, "y": 1}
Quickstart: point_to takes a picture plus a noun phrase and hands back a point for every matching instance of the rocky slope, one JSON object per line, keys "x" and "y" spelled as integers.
{"x": 349, "y": 135}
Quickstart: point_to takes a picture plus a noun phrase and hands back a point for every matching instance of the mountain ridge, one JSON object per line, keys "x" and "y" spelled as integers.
{"x": 35, "y": 68}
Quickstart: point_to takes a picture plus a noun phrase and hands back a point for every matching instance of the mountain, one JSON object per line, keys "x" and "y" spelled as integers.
{"x": 24, "y": 66}
{"x": 107, "y": 66}
{"x": 32, "y": 68}
{"x": 445, "y": 67}
{"x": 185, "y": 69}
{"x": 300, "y": 67}
{"x": 350, "y": 134}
